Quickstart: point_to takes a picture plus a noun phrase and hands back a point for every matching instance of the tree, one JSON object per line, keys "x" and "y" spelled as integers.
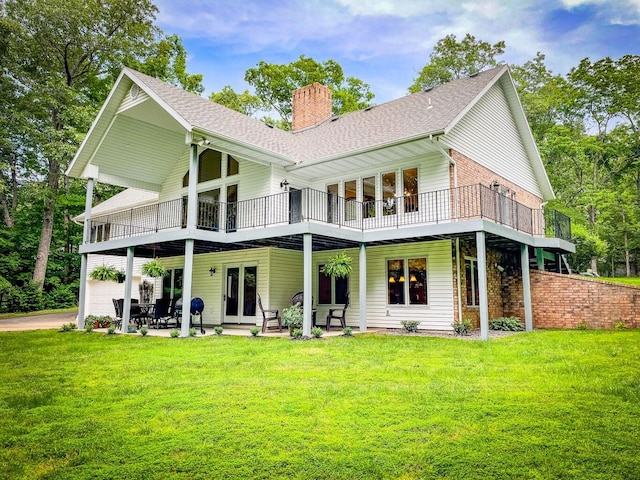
{"x": 65, "y": 49}
{"x": 240, "y": 102}
{"x": 274, "y": 84}
{"x": 451, "y": 60}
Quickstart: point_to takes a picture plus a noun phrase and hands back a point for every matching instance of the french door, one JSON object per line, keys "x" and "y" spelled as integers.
{"x": 240, "y": 295}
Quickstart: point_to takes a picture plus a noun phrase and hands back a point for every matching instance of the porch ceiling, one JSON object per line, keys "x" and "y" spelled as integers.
{"x": 315, "y": 170}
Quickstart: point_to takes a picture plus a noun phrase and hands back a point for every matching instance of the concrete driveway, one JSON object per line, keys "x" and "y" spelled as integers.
{"x": 36, "y": 322}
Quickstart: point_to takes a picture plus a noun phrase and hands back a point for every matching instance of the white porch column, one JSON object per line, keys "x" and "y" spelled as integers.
{"x": 192, "y": 216}
{"x": 126, "y": 309}
{"x": 362, "y": 266}
{"x": 186, "y": 287}
{"x": 526, "y": 288}
{"x": 307, "y": 284}
{"x": 86, "y": 233}
{"x": 482, "y": 285}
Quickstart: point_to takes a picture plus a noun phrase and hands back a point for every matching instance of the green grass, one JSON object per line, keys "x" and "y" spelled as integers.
{"x": 39, "y": 312}
{"x": 634, "y": 281}
{"x": 542, "y": 405}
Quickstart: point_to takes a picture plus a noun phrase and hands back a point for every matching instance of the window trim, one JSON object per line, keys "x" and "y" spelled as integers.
{"x": 407, "y": 282}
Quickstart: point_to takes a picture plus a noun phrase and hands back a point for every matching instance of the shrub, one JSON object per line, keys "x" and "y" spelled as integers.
{"x": 175, "y": 333}
{"x": 218, "y": 330}
{"x": 62, "y": 296}
{"x": 410, "y": 326}
{"x": 462, "y": 327}
{"x": 88, "y": 327}
{"x": 68, "y": 327}
{"x": 582, "y": 326}
{"x": 347, "y": 331}
{"x": 316, "y": 332}
{"x": 27, "y": 298}
{"x": 620, "y": 325}
{"x": 507, "y": 324}
{"x": 292, "y": 316}
{"x": 144, "y": 331}
{"x": 111, "y": 330}
{"x": 192, "y": 332}
{"x": 297, "y": 333}
{"x": 254, "y": 331}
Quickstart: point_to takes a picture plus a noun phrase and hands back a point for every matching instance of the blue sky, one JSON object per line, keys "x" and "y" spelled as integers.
{"x": 386, "y": 42}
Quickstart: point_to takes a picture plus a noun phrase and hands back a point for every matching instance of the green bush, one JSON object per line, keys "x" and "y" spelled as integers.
{"x": 218, "y": 330}
{"x": 297, "y": 333}
{"x": 347, "y": 331}
{"x": 620, "y": 325}
{"x": 144, "y": 331}
{"x": 254, "y": 331}
{"x": 27, "y": 298}
{"x": 316, "y": 332}
{"x": 192, "y": 332}
{"x": 410, "y": 326}
{"x": 175, "y": 333}
{"x": 88, "y": 327}
{"x": 462, "y": 327}
{"x": 111, "y": 330}
{"x": 68, "y": 327}
{"x": 507, "y": 324}
{"x": 62, "y": 296}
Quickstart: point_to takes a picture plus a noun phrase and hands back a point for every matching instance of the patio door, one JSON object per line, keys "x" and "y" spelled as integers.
{"x": 295, "y": 205}
{"x": 240, "y": 295}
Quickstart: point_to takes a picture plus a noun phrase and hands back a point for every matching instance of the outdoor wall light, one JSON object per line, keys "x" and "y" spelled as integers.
{"x": 212, "y": 270}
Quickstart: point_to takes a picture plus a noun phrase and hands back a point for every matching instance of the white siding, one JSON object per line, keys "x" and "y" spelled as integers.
{"x": 438, "y": 314}
{"x": 128, "y": 101}
{"x": 285, "y": 277}
{"x": 488, "y": 135}
{"x": 98, "y": 300}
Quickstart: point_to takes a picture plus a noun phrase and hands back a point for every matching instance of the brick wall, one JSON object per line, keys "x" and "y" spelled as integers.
{"x": 471, "y": 173}
{"x": 564, "y": 301}
{"x": 310, "y": 105}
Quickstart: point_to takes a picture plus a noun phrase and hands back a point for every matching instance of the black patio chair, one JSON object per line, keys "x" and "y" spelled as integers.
{"x": 338, "y": 314}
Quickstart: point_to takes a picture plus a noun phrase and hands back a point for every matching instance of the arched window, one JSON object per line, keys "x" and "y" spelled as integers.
{"x": 210, "y": 167}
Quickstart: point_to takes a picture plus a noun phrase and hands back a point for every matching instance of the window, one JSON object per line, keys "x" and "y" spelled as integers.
{"x": 369, "y": 197}
{"x": 172, "y": 284}
{"x": 410, "y": 186}
{"x": 389, "y": 193}
{"x": 471, "y": 276}
{"x": 407, "y": 279}
{"x": 209, "y": 167}
{"x": 209, "y": 209}
{"x": 331, "y": 290}
{"x": 233, "y": 167}
{"x": 332, "y": 203}
{"x": 350, "y": 200}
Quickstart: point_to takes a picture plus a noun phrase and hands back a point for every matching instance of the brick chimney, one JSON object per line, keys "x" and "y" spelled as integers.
{"x": 311, "y": 105}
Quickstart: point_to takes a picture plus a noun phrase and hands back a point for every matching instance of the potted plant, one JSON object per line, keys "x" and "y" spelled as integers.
{"x": 292, "y": 317}
{"x": 153, "y": 268}
{"x": 339, "y": 265}
{"x": 106, "y": 273}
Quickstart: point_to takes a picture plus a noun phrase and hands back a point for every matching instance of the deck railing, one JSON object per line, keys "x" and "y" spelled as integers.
{"x": 308, "y": 205}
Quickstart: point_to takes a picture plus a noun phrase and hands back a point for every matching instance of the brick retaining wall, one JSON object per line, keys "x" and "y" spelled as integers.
{"x": 564, "y": 301}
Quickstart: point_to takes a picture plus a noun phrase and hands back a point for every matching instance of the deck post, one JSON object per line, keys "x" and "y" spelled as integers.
{"x": 362, "y": 287}
{"x": 86, "y": 233}
{"x": 126, "y": 308}
{"x": 186, "y": 287}
{"x": 307, "y": 284}
{"x": 482, "y": 285}
{"x": 192, "y": 220}
{"x": 526, "y": 288}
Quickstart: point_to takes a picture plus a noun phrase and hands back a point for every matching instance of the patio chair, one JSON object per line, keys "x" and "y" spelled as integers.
{"x": 299, "y": 298}
{"x": 118, "y": 308}
{"x": 269, "y": 315}
{"x": 160, "y": 313}
{"x": 338, "y": 314}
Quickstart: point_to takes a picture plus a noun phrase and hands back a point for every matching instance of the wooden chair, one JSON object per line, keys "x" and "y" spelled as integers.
{"x": 338, "y": 314}
{"x": 269, "y": 315}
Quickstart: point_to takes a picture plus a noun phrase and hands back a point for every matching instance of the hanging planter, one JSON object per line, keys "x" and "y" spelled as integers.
{"x": 153, "y": 268}
{"x": 338, "y": 266}
{"x": 106, "y": 273}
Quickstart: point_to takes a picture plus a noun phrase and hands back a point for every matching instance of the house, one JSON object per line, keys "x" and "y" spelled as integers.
{"x": 438, "y": 196}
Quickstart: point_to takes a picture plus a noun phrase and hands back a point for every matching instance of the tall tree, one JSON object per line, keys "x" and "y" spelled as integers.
{"x": 240, "y": 102}
{"x": 451, "y": 60}
{"x": 66, "y": 47}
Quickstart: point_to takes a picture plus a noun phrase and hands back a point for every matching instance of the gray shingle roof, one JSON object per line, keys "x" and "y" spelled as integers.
{"x": 412, "y": 116}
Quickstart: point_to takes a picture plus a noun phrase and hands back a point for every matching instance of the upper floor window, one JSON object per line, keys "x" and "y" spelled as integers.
{"x": 389, "y": 193}
{"x": 233, "y": 167}
{"x": 209, "y": 167}
{"x": 410, "y": 186}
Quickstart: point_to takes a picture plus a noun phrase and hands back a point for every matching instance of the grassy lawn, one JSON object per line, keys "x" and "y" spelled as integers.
{"x": 634, "y": 281}
{"x": 542, "y": 405}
